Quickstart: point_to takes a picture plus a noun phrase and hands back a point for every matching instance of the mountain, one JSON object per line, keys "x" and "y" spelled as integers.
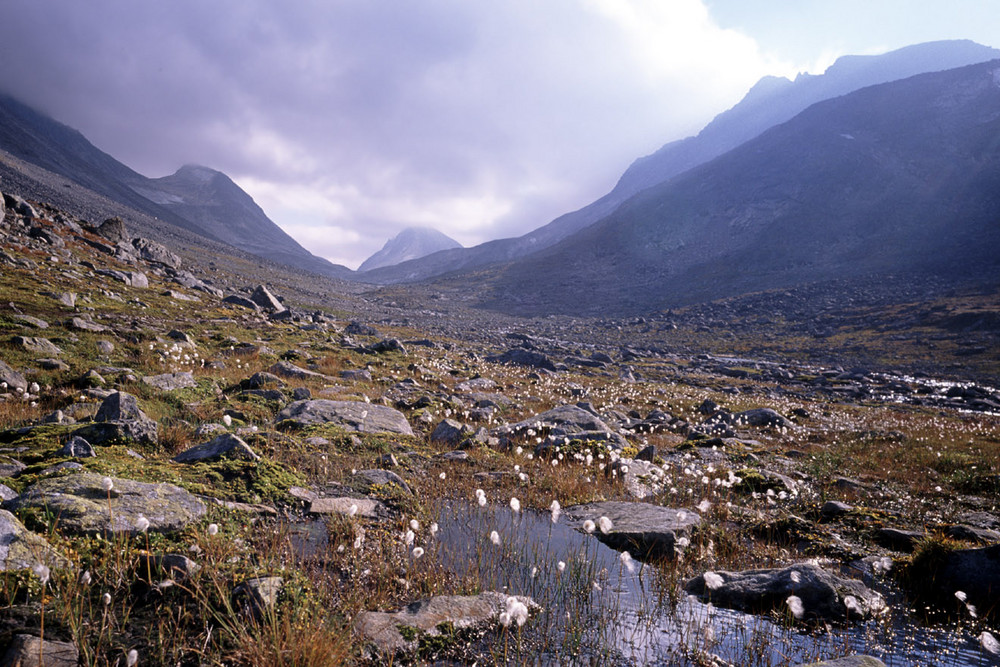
{"x": 411, "y": 243}
{"x": 771, "y": 101}
{"x": 897, "y": 179}
{"x": 195, "y": 199}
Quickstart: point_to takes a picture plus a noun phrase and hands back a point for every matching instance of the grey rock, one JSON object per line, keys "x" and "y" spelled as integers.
{"x": 385, "y": 346}
{"x": 13, "y": 379}
{"x": 81, "y": 503}
{"x": 849, "y": 661}
{"x": 77, "y": 447}
{"x": 973, "y": 534}
{"x": 761, "y": 417}
{"x": 833, "y": 508}
{"x": 899, "y": 540}
{"x": 262, "y": 379}
{"x": 7, "y": 493}
{"x": 151, "y": 251}
{"x": 174, "y": 566}
{"x": 646, "y": 531}
{"x": 382, "y": 629}
{"x": 171, "y": 381}
{"x": 379, "y": 477}
{"x": 647, "y": 453}
{"x": 113, "y": 229}
{"x": 84, "y": 324}
{"x": 267, "y": 301}
{"x": 119, "y": 417}
{"x": 25, "y": 650}
{"x": 521, "y": 357}
{"x": 641, "y": 479}
{"x": 824, "y": 595}
{"x": 974, "y": 571}
{"x": 453, "y": 457}
{"x": 259, "y": 595}
{"x": 355, "y": 416}
{"x": 364, "y": 507}
{"x": 20, "y": 548}
{"x": 289, "y": 370}
{"x": 35, "y": 322}
{"x": 105, "y": 347}
{"x": 563, "y": 420}
{"x": 10, "y": 467}
{"x": 362, "y": 375}
{"x": 37, "y": 345}
{"x": 241, "y": 301}
{"x": 130, "y": 278}
{"x": 180, "y": 338}
{"x": 225, "y": 445}
{"x": 67, "y": 299}
{"x": 450, "y": 432}
{"x": 476, "y": 385}
{"x": 50, "y": 364}
{"x": 356, "y": 328}
{"x": 60, "y": 467}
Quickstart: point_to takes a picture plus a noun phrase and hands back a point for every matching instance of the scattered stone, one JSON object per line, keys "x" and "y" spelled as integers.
{"x": 520, "y": 357}
{"x": 289, "y": 370}
{"x": 83, "y": 324}
{"x": 898, "y": 540}
{"x": 77, "y": 447}
{"x": 644, "y": 530}
{"x": 20, "y": 548}
{"x": 972, "y": 534}
{"x": 450, "y": 433}
{"x": 824, "y": 597}
{"x": 130, "y": 278}
{"x": 386, "y": 346}
{"x": 379, "y": 477}
{"x": 362, "y": 375}
{"x": 25, "y": 650}
{"x": 113, "y": 229}
{"x": 262, "y": 379}
{"x": 175, "y": 566}
{"x": 153, "y": 252}
{"x": 388, "y": 460}
{"x": 10, "y": 467}
{"x": 226, "y": 445}
{"x": 355, "y": 416}
{"x": 67, "y": 299}
{"x": 81, "y": 503}
{"x": 647, "y": 453}
{"x": 7, "y": 493}
{"x": 356, "y": 328}
{"x": 241, "y": 301}
{"x": 259, "y": 595}
{"x": 476, "y": 385}
{"x": 120, "y": 417}
{"x": 642, "y": 479}
{"x": 12, "y": 378}
{"x": 460, "y": 612}
{"x": 32, "y": 321}
{"x": 37, "y": 345}
{"x": 171, "y": 381}
{"x": 267, "y": 301}
{"x": 364, "y": 507}
{"x": 105, "y": 347}
{"x": 761, "y": 417}
{"x": 833, "y": 508}
{"x": 974, "y": 571}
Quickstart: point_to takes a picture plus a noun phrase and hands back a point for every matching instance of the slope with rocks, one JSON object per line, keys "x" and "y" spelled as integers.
{"x": 770, "y": 102}
{"x": 896, "y": 179}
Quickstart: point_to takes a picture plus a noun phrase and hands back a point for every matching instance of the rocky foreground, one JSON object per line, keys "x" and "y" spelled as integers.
{"x": 196, "y": 474}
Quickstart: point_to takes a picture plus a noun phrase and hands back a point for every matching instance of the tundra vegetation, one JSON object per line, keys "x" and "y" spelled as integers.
{"x": 191, "y": 480}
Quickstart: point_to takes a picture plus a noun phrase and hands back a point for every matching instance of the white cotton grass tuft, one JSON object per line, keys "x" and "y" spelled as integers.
{"x": 704, "y": 505}
{"x": 418, "y": 552}
{"x": 881, "y": 565}
{"x": 408, "y": 537}
{"x": 961, "y": 596}
{"x": 213, "y": 529}
{"x": 108, "y": 484}
{"x": 556, "y": 510}
{"x": 106, "y": 599}
{"x": 515, "y": 505}
{"x": 794, "y": 603}
{"x": 989, "y": 643}
{"x": 853, "y": 606}
{"x": 227, "y": 420}
{"x": 41, "y": 571}
{"x": 352, "y": 510}
{"x": 561, "y": 566}
{"x": 142, "y": 524}
{"x": 795, "y": 576}
{"x": 434, "y": 529}
{"x": 588, "y": 526}
{"x": 604, "y": 523}
{"x": 713, "y": 581}
{"x": 517, "y": 611}
{"x": 414, "y": 525}
{"x": 495, "y": 537}
{"x": 85, "y": 578}
{"x": 132, "y": 659}
{"x": 626, "y": 560}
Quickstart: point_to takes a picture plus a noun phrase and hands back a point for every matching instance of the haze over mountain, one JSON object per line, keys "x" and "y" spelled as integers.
{"x": 411, "y": 243}
{"x": 899, "y": 179}
{"x": 197, "y": 199}
{"x": 772, "y": 101}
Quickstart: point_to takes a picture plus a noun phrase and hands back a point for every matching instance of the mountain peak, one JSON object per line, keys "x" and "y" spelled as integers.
{"x": 411, "y": 243}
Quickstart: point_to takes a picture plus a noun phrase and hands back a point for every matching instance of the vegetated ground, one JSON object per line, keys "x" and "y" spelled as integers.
{"x": 867, "y": 424}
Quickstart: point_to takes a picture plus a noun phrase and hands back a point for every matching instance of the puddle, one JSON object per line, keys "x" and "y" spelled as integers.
{"x": 597, "y": 611}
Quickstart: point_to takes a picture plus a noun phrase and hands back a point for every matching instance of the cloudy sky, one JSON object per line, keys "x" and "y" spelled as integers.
{"x": 348, "y": 120}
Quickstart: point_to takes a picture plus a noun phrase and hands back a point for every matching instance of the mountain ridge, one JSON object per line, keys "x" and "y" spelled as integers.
{"x": 410, "y": 243}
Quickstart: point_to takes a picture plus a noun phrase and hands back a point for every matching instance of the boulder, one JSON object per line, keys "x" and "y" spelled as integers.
{"x": 10, "y": 467}
{"x": 151, "y": 251}
{"x": 241, "y": 301}
{"x": 113, "y": 229}
{"x": 974, "y": 571}
{"x": 226, "y": 445}
{"x": 289, "y": 370}
{"x": 765, "y": 417}
{"x": 644, "y": 530}
{"x": 84, "y": 324}
{"x": 382, "y": 629}
{"x": 77, "y": 447}
{"x": 641, "y": 478}
{"x": 171, "y": 381}
{"x": 362, "y": 375}
{"x": 824, "y": 596}
{"x": 13, "y": 379}
{"x": 20, "y": 548}
{"x": 520, "y": 357}
{"x": 257, "y": 596}
{"x": 267, "y": 301}
{"x": 26, "y": 650}
{"x": 81, "y": 504}
{"x": 130, "y": 278}
{"x": 378, "y": 477}
{"x": 119, "y": 418}
{"x": 37, "y": 345}
{"x": 7, "y": 493}
{"x": 356, "y": 328}
{"x": 355, "y": 416}
{"x": 364, "y": 507}
{"x": 450, "y": 432}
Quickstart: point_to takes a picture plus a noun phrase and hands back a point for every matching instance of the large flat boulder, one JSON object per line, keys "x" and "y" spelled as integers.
{"x": 355, "y": 416}
{"x": 822, "y": 595}
{"x": 644, "y": 530}
{"x": 81, "y": 504}
{"x": 382, "y": 629}
{"x": 20, "y": 549}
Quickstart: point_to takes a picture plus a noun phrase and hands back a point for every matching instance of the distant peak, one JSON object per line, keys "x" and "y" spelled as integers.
{"x": 197, "y": 171}
{"x": 410, "y": 243}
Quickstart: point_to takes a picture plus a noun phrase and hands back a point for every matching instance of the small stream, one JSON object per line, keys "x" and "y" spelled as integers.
{"x": 638, "y": 616}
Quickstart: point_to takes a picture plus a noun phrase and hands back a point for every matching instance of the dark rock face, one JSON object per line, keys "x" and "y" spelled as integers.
{"x": 823, "y": 596}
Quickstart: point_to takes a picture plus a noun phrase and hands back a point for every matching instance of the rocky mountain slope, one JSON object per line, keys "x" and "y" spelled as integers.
{"x": 195, "y": 199}
{"x": 411, "y": 243}
{"x": 896, "y": 179}
{"x": 771, "y": 102}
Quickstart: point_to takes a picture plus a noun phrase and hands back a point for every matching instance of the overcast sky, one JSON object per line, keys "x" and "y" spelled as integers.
{"x": 350, "y": 120}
